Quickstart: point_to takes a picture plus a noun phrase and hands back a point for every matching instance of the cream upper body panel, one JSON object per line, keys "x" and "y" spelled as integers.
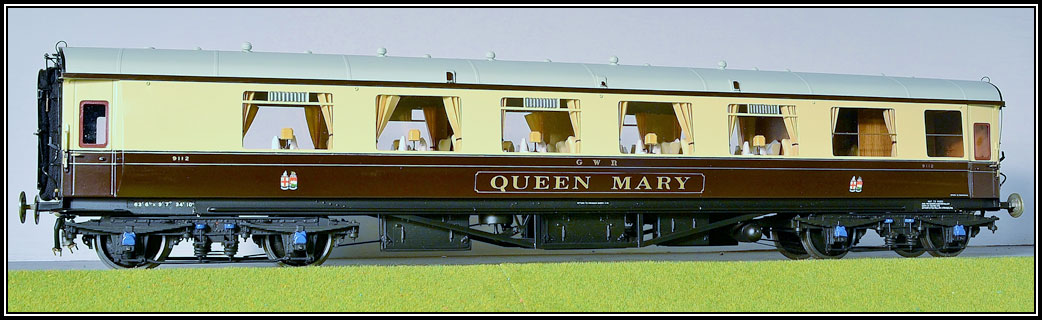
{"x": 179, "y": 115}
{"x": 205, "y": 116}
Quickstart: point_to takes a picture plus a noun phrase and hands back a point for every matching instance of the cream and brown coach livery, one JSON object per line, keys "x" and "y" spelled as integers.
{"x": 163, "y": 146}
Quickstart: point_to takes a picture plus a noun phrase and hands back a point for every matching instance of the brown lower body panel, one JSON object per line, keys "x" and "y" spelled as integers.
{"x": 253, "y": 175}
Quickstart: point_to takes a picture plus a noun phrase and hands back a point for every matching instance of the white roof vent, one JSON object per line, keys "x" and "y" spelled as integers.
{"x": 491, "y": 55}
{"x": 247, "y": 46}
{"x": 382, "y": 52}
{"x": 722, "y": 64}
{"x": 613, "y": 60}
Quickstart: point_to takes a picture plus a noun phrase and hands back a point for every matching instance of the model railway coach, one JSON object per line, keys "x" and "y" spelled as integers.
{"x": 152, "y": 147}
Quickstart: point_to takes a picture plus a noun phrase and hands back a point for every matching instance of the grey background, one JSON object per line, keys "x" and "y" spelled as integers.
{"x": 946, "y": 43}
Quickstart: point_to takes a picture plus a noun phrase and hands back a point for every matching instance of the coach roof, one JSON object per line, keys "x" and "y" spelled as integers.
{"x": 269, "y": 65}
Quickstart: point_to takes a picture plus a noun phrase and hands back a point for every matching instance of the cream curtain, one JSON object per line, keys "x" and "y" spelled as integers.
{"x": 733, "y": 126}
{"x": 326, "y": 102}
{"x": 835, "y": 119}
{"x": 888, "y": 117}
{"x": 535, "y": 122}
{"x": 622, "y": 115}
{"x": 452, "y": 112}
{"x": 573, "y": 113}
{"x": 683, "y": 112}
{"x": 734, "y": 123}
{"x": 249, "y": 112}
{"x": 384, "y": 109}
{"x": 789, "y": 113}
{"x": 622, "y": 118}
{"x": 642, "y": 127}
{"x": 317, "y": 126}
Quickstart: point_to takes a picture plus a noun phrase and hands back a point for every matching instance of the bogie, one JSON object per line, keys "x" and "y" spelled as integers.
{"x": 147, "y": 243}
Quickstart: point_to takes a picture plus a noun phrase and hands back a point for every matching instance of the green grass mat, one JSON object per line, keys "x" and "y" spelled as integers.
{"x": 856, "y": 285}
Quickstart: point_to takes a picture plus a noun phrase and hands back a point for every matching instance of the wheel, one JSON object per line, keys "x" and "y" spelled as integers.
{"x": 319, "y": 248}
{"x": 788, "y": 243}
{"x": 910, "y": 253}
{"x": 813, "y": 241}
{"x": 151, "y": 247}
{"x": 932, "y": 240}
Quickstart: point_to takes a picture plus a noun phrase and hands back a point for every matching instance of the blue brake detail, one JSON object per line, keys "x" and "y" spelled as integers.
{"x": 300, "y": 237}
{"x": 229, "y": 226}
{"x": 958, "y": 231}
{"x": 200, "y": 226}
{"x": 888, "y": 221}
{"x": 840, "y": 232}
{"x": 129, "y": 239}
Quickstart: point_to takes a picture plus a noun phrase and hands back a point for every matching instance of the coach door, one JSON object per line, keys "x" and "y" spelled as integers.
{"x": 92, "y": 159}
{"x": 983, "y": 139}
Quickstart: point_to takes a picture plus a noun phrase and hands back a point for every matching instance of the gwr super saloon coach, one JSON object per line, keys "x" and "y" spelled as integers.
{"x": 163, "y": 146}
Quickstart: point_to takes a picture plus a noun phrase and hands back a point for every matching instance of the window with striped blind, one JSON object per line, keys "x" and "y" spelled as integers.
{"x": 541, "y": 124}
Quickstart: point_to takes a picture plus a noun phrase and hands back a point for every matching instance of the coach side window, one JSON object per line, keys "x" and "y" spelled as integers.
{"x": 864, "y": 132}
{"x": 763, "y": 129}
{"x": 548, "y": 125}
{"x": 943, "y": 133}
{"x": 94, "y": 124}
{"x": 655, "y": 128}
{"x": 418, "y": 123}
{"x": 282, "y": 120}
